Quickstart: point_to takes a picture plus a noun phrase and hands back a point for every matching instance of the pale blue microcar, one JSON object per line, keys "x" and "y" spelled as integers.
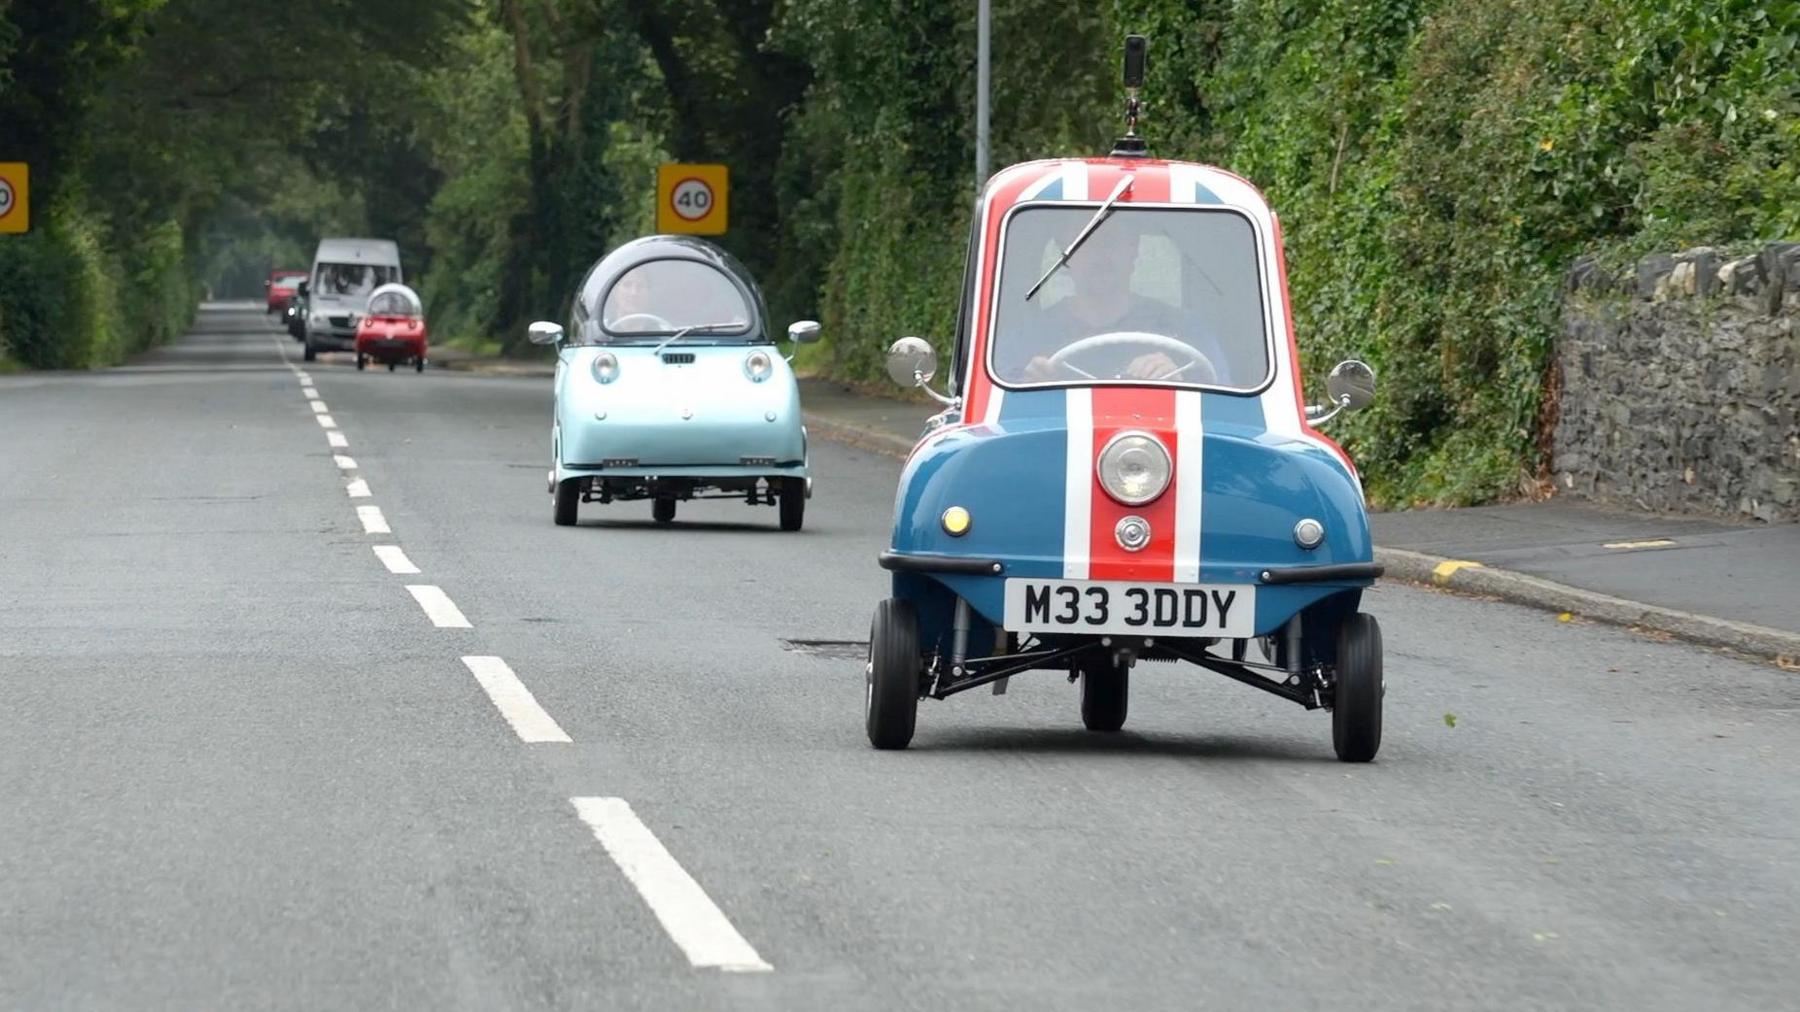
{"x": 669, "y": 386}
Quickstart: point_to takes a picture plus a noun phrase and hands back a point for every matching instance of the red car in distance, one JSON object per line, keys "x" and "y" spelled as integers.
{"x": 282, "y": 286}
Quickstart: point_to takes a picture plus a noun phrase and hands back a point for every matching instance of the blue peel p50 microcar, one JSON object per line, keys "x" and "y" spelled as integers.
{"x": 1125, "y": 471}
{"x": 669, "y": 387}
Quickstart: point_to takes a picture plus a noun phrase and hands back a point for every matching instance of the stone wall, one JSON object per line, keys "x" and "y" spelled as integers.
{"x": 1680, "y": 384}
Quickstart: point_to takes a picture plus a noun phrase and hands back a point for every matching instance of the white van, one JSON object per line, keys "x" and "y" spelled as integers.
{"x": 344, "y": 273}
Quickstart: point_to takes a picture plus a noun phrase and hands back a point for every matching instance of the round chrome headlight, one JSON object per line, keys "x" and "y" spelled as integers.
{"x": 758, "y": 366}
{"x": 1134, "y": 468}
{"x": 606, "y": 367}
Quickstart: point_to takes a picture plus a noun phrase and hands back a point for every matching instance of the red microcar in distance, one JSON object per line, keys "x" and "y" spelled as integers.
{"x": 392, "y": 330}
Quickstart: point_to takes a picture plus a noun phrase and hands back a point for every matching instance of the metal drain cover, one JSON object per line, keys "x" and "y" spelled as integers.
{"x": 835, "y": 650}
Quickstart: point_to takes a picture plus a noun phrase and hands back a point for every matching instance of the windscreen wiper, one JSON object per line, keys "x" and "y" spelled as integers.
{"x": 1082, "y": 236}
{"x": 685, "y": 331}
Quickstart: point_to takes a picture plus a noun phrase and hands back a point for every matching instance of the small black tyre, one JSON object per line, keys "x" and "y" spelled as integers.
{"x": 891, "y": 697}
{"x": 419, "y": 364}
{"x": 362, "y": 362}
{"x": 1105, "y": 691}
{"x": 309, "y": 353}
{"x": 1356, "y": 698}
{"x": 791, "y": 493}
{"x": 568, "y": 501}
{"x": 390, "y": 367}
{"x": 662, "y": 509}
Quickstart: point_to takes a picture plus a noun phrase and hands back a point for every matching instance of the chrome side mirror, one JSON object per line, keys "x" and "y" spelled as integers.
{"x": 803, "y": 331}
{"x": 1350, "y": 387}
{"x": 911, "y": 362}
{"x": 545, "y": 332}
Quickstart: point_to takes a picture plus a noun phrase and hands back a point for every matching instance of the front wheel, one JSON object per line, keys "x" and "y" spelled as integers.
{"x": 568, "y": 501}
{"x": 662, "y": 509}
{"x": 1356, "y": 699}
{"x": 792, "y": 493}
{"x": 891, "y": 690}
{"x": 1105, "y": 690}
{"x": 310, "y": 353}
{"x": 419, "y": 364}
{"x": 362, "y": 362}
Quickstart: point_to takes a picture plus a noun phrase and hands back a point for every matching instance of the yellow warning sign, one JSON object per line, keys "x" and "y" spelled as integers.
{"x": 692, "y": 199}
{"x": 15, "y": 197}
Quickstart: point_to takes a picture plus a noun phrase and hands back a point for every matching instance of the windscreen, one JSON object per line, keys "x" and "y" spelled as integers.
{"x": 392, "y": 304}
{"x": 659, "y": 297}
{"x": 1154, "y": 295}
{"x": 350, "y": 279}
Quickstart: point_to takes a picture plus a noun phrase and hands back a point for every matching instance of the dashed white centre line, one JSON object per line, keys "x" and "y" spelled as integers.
{"x": 358, "y": 489}
{"x": 344, "y": 463}
{"x": 336, "y": 439}
{"x": 318, "y": 407}
{"x": 442, "y": 611}
{"x": 311, "y": 394}
{"x": 690, "y": 917}
{"x": 395, "y": 560}
{"x": 514, "y": 701}
{"x": 305, "y": 379}
{"x": 326, "y": 421}
{"x": 372, "y": 520}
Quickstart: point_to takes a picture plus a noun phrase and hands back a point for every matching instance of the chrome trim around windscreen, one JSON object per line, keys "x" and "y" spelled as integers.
{"x": 1262, "y": 288}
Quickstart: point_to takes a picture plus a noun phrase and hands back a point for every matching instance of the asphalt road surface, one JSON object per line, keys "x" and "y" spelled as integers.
{"x": 245, "y": 763}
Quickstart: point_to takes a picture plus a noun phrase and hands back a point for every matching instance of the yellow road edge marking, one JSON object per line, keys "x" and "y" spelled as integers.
{"x": 1447, "y": 568}
{"x": 1656, "y": 543}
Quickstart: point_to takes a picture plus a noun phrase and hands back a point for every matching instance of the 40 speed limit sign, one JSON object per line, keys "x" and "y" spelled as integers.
{"x": 15, "y": 197}
{"x": 692, "y": 199}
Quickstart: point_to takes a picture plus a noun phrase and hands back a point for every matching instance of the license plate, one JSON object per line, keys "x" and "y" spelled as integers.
{"x": 1119, "y": 608}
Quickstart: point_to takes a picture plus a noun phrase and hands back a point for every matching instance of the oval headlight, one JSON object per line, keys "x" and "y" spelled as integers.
{"x": 758, "y": 366}
{"x": 1134, "y": 468}
{"x": 606, "y": 367}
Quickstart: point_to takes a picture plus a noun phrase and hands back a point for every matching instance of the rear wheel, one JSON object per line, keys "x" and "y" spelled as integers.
{"x": 390, "y": 367}
{"x": 419, "y": 364}
{"x": 362, "y": 362}
{"x": 1105, "y": 690}
{"x": 1356, "y": 699}
{"x": 568, "y": 502}
{"x": 792, "y": 495}
{"x": 310, "y": 353}
{"x": 891, "y": 696}
{"x": 662, "y": 509}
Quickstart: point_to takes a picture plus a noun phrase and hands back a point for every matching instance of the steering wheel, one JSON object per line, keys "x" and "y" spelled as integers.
{"x": 655, "y": 323}
{"x": 1201, "y": 366}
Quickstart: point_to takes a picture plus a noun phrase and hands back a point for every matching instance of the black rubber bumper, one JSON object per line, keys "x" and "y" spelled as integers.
{"x": 955, "y": 565}
{"x": 1323, "y": 574}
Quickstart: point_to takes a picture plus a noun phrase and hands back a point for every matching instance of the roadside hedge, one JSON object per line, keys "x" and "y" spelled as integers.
{"x": 74, "y": 297}
{"x": 1437, "y": 165}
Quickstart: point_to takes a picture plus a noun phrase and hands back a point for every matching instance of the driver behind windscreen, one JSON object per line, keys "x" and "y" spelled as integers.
{"x": 1101, "y": 301}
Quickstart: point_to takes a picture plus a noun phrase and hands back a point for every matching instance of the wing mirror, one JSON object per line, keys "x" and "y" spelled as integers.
{"x": 304, "y": 287}
{"x": 1350, "y": 387}
{"x": 911, "y": 362}
{"x": 804, "y": 332}
{"x": 545, "y": 332}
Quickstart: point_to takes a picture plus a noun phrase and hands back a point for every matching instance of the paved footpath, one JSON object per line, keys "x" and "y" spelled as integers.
{"x": 306, "y": 703}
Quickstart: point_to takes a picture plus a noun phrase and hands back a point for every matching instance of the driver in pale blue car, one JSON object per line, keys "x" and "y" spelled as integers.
{"x": 1134, "y": 301}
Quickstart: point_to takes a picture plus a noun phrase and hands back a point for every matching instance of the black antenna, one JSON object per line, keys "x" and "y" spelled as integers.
{"x": 1131, "y": 145}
